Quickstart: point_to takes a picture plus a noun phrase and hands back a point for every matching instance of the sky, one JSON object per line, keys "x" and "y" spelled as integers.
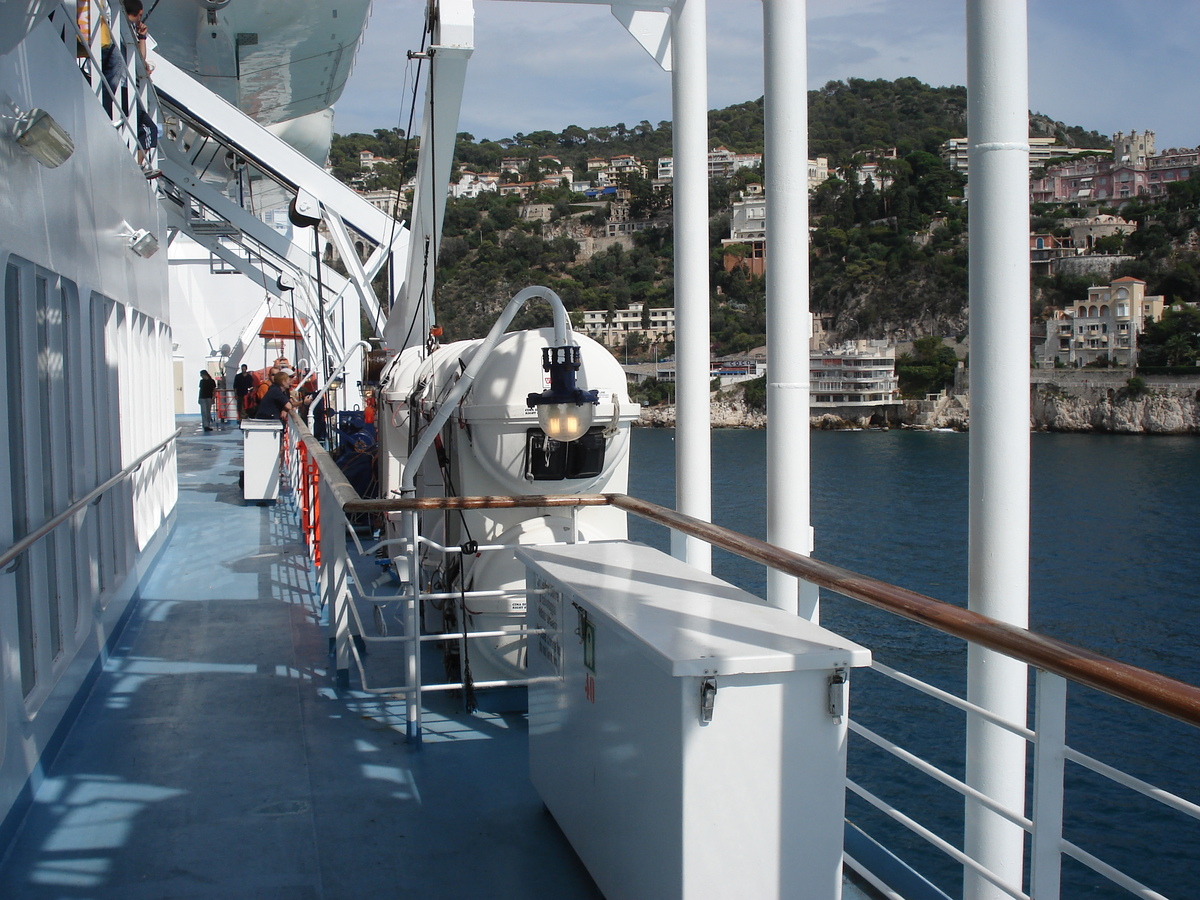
{"x": 1107, "y": 65}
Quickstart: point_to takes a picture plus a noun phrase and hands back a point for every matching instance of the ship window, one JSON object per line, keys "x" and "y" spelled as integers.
{"x": 50, "y": 394}
{"x": 115, "y": 355}
{"x": 550, "y": 460}
{"x": 18, "y": 496}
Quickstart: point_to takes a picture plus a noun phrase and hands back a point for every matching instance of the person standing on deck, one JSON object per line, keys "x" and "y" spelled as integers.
{"x": 208, "y": 388}
{"x": 260, "y": 390}
{"x": 276, "y": 402}
{"x": 243, "y": 384}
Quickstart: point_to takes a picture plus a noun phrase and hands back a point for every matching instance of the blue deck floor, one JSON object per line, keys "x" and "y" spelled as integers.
{"x": 214, "y": 759}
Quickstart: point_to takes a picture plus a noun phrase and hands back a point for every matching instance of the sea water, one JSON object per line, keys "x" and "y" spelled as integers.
{"x": 1114, "y": 567}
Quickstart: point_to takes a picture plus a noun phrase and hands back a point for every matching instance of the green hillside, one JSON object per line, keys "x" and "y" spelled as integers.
{"x": 888, "y": 258}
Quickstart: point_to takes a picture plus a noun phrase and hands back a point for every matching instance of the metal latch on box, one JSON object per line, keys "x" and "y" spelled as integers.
{"x": 838, "y": 688}
{"x": 708, "y": 699}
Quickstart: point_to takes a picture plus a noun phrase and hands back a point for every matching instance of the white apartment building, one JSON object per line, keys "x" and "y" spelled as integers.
{"x": 386, "y": 200}
{"x": 1105, "y": 325}
{"x": 471, "y": 185}
{"x": 818, "y": 171}
{"x": 722, "y": 163}
{"x": 624, "y": 322}
{"x": 1041, "y": 150}
{"x": 854, "y": 374}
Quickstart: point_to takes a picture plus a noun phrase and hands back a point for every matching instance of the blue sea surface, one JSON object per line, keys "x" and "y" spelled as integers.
{"x": 1114, "y": 568}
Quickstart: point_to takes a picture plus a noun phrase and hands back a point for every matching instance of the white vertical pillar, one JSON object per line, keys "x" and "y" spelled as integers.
{"x": 693, "y": 445}
{"x": 998, "y": 586}
{"x": 453, "y": 43}
{"x": 789, "y": 324}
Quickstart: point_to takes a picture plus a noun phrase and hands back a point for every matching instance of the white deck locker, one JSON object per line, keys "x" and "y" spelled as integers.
{"x": 638, "y": 651}
{"x": 260, "y": 458}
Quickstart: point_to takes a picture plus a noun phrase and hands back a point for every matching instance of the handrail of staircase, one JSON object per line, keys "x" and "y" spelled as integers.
{"x": 50, "y": 524}
{"x": 1133, "y": 684}
{"x": 137, "y": 77}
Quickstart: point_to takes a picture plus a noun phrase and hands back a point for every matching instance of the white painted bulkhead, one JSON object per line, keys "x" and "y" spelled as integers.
{"x": 88, "y": 391}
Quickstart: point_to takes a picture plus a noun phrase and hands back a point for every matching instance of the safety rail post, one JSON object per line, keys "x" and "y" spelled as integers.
{"x": 314, "y": 517}
{"x": 412, "y": 705}
{"x": 1049, "y": 756}
{"x": 288, "y": 450}
{"x": 300, "y": 488}
{"x": 307, "y": 489}
{"x": 333, "y": 577}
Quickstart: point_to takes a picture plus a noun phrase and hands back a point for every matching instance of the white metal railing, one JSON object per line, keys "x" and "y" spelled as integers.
{"x": 342, "y": 595}
{"x": 13, "y": 553}
{"x": 1055, "y": 663}
{"x": 133, "y": 90}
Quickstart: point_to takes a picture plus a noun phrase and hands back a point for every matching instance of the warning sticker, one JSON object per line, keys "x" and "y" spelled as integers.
{"x": 549, "y": 620}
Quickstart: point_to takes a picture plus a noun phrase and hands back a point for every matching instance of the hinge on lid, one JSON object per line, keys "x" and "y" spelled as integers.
{"x": 708, "y": 699}
{"x": 838, "y": 688}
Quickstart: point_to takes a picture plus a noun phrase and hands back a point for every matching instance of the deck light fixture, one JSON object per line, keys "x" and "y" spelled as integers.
{"x": 141, "y": 241}
{"x": 43, "y": 138}
{"x": 564, "y": 410}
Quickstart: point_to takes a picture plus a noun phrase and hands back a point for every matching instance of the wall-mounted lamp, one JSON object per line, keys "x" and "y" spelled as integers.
{"x": 564, "y": 410}
{"x": 141, "y": 241}
{"x": 43, "y": 138}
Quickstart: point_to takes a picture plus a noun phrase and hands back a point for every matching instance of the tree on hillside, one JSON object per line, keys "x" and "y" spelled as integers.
{"x": 928, "y": 369}
{"x": 1174, "y": 340}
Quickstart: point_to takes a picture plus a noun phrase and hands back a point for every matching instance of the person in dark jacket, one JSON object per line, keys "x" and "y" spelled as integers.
{"x": 243, "y": 383}
{"x": 277, "y": 402}
{"x": 208, "y": 389}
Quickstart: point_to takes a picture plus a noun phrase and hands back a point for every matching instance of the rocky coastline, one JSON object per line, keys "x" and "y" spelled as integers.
{"x": 1174, "y": 410}
{"x": 1098, "y": 405}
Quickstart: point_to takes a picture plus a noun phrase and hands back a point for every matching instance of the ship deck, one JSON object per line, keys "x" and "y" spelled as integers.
{"x": 213, "y": 758}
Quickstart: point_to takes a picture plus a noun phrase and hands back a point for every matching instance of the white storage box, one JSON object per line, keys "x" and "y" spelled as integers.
{"x": 640, "y": 650}
{"x": 260, "y": 459}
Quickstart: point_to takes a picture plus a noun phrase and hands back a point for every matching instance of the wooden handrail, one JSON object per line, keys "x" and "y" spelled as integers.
{"x": 1151, "y": 690}
{"x": 1142, "y": 687}
{"x": 531, "y": 501}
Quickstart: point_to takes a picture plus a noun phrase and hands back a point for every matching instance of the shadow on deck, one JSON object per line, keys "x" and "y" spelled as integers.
{"x": 214, "y": 759}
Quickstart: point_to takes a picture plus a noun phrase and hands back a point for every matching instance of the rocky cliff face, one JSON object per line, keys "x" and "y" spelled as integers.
{"x": 949, "y": 411}
{"x": 724, "y": 412}
{"x": 1115, "y": 412}
{"x": 1159, "y": 411}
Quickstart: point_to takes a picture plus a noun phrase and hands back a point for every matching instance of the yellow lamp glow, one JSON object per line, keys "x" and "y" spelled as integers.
{"x": 565, "y": 421}
{"x": 564, "y": 411}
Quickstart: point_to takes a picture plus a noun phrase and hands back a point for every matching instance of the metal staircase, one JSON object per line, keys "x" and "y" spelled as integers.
{"x": 256, "y": 204}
